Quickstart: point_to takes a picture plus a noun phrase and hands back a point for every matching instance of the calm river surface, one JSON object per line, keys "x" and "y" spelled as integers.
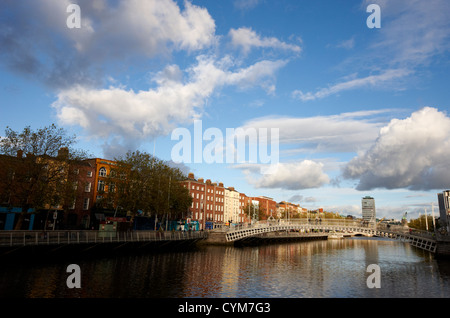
{"x": 319, "y": 269}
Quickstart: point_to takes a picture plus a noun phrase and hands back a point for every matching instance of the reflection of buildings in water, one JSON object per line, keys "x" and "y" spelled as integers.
{"x": 203, "y": 272}
{"x": 335, "y": 268}
{"x": 43, "y": 283}
{"x": 371, "y": 252}
{"x": 232, "y": 264}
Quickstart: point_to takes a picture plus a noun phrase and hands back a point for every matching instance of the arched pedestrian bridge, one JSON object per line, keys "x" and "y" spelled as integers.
{"x": 419, "y": 239}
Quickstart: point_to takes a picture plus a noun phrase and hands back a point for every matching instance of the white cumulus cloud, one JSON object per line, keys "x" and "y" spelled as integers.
{"x": 132, "y": 116}
{"x": 301, "y": 175}
{"x": 111, "y": 31}
{"x": 409, "y": 153}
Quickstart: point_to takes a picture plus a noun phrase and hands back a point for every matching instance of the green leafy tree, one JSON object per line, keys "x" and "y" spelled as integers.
{"x": 151, "y": 186}
{"x": 422, "y": 222}
{"x": 35, "y": 169}
{"x": 254, "y": 210}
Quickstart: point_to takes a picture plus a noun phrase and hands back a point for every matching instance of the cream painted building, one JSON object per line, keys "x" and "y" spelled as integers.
{"x": 232, "y": 205}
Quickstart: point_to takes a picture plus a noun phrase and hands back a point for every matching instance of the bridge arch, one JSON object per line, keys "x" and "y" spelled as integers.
{"x": 240, "y": 233}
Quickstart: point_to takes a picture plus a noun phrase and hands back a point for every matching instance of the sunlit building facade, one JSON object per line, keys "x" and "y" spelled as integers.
{"x": 368, "y": 209}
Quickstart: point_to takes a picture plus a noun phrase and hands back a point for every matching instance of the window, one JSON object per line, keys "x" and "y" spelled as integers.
{"x": 89, "y": 173}
{"x": 87, "y": 187}
{"x": 112, "y": 187}
{"x": 101, "y": 186}
{"x": 73, "y": 205}
{"x": 102, "y": 172}
{"x": 86, "y": 204}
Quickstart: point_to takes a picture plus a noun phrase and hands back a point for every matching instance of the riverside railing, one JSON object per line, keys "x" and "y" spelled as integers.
{"x": 351, "y": 226}
{"x": 23, "y": 238}
{"x": 302, "y": 221}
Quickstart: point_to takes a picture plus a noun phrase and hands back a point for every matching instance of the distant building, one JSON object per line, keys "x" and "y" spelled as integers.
{"x": 444, "y": 207}
{"x": 368, "y": 208}
{"x": 267, "y": 205}
{"x": 288, "y": 210}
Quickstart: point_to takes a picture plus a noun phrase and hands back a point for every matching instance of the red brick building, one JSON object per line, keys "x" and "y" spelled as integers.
{"x": 208, "y": 200}
{"x": 267, "y": 205}
{"x": 79, "y": 211}
{"x": 209, "y": 203}
{"x": 244, "y": 202}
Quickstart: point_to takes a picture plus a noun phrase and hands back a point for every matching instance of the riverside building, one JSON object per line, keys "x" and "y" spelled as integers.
{"x": 368, "y": 209}
{"x": 444, "y": 207}
{"x": 213, "y": 204}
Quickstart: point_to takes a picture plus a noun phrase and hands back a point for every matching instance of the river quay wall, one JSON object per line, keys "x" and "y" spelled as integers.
{"x": 37, "y": 245}
{"x": 442, "y": 246}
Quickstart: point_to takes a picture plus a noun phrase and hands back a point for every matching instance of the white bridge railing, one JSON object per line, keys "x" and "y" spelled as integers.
{"x": 421, "y": 239}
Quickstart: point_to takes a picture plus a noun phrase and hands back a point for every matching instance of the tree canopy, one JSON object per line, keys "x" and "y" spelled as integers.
{"x": 36, "y": 173}
{"x": 150, "y": 186}
{"x": 34, "y": 170}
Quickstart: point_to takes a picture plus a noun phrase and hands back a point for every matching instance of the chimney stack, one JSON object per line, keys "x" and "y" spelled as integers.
{"x": 63, "y": 153}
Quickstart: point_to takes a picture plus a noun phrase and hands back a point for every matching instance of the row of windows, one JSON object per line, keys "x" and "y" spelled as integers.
{"x": 77, "y": 171}
{"x": 217, "y": 217}
{"x": 208, "y": 198}
{"x": 101, "y": 186}
{"x": 101, "y": 173}
{"x": 85, "y": 204}
{"x": 218, "y": 208}
{"x": 209, "y": 216}
{"x": 207, "y": 190}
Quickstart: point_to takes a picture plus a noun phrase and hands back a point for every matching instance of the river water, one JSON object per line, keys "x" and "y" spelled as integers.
{"x": 319, "y": 269}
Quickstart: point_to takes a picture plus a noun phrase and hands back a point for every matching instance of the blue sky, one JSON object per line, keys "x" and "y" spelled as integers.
{"x": 360, "y": 111}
